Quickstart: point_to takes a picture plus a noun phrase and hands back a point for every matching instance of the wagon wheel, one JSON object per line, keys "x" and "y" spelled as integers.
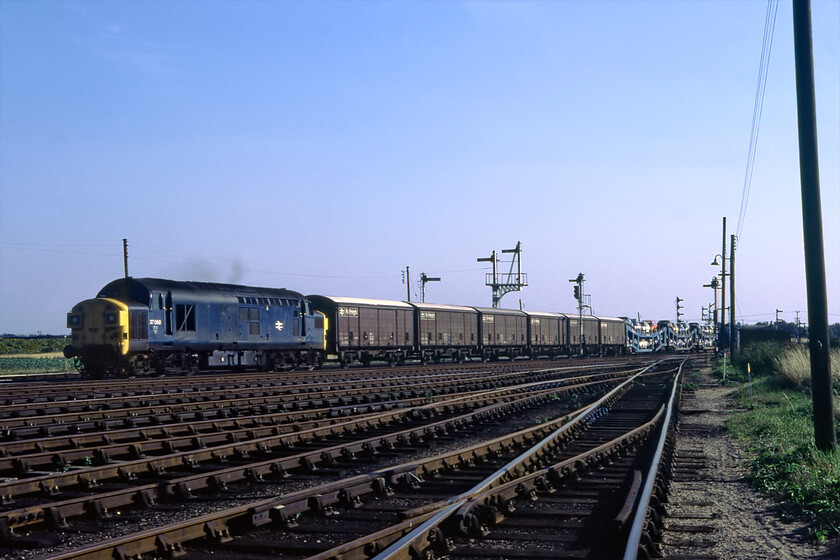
{"x": 393, "y": 360}
{"x": 346, "y": 360}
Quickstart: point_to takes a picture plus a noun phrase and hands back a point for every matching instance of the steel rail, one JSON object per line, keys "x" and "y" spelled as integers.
{"x": 273, "y": 510}
{"x": 150, "y": 493}
{"x": 71, "y": 393}
{"x": 67, "y": 423}
{"x": 642, "y": 510}
{"x": 193, "y": 435}
{"x": 216, "y": 526}
{"x": 402, "y": 549}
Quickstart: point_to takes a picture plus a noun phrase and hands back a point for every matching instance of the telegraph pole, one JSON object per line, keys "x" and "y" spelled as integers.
{"x": 723, "y": 345}
{"x": 733, "y": 338}
{"x": 407, "y": 282}
{"x": 809, "y": 173}
{"x": 125, "y": 256}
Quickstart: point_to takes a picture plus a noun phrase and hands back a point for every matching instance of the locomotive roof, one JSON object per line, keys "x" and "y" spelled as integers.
{"x": 140, "y": 289}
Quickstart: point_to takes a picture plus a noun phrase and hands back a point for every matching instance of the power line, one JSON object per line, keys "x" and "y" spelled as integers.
{"x": 758, "y": 105}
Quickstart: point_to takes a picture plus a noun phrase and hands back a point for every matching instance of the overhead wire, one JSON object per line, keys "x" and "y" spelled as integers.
{"x": 758, "y": 105}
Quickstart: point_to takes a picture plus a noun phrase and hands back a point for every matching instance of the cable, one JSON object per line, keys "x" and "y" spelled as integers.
{"x": 766, "y": 48}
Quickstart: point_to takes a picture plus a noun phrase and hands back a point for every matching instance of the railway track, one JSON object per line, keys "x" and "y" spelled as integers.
{"x": 218, "y": 462}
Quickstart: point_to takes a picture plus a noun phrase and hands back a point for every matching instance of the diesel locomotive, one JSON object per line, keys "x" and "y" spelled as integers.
{"x": 151, "y": 326}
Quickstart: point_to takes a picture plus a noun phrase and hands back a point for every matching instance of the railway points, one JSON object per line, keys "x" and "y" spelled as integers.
{"x": 250, "y": 476}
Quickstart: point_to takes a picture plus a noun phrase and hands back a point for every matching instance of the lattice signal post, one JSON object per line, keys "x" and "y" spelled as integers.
{"x": 423, "y": 281}
{"x": 513, "y": 281}
{"x": 583, "y": 300}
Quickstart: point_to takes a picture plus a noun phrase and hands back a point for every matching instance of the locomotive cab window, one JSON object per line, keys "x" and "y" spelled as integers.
{"x": 185, "y": 317}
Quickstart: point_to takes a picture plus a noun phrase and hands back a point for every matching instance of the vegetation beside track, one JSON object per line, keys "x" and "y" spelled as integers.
{"x": 776, "y": 425}
{"x": 30, "y": 364}
{"x": 33, "y": 355}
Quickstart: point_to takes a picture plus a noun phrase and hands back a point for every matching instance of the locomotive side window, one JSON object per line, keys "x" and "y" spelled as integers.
{"x": 185, "y": 317}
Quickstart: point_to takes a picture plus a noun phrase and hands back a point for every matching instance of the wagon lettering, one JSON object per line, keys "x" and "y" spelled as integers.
{"x": 348, "y": 311}
{"x": 427, "y": 315}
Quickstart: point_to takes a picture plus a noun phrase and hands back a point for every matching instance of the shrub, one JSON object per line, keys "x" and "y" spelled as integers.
{"x": 761, "y": 356}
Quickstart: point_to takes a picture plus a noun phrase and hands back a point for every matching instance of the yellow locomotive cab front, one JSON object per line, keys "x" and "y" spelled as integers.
{"x": 98, "y": 325}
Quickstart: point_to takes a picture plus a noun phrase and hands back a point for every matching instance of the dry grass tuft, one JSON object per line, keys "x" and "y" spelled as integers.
{"x": 794, "y": 363}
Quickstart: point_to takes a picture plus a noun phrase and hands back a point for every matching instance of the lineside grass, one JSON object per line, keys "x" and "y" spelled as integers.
{"x": 778, "y": 431}
{"x": 32, "y": 364}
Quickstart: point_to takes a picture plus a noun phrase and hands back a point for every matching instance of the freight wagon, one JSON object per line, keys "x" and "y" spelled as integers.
{"x": 154, "y": 325}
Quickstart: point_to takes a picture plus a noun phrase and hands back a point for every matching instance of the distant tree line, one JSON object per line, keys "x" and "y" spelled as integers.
{"x": 790, "y": 328}
{"x": 10, "y": 344}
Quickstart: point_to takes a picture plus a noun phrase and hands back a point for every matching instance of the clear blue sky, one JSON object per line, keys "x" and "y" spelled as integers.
{"x": 324, "y": 146}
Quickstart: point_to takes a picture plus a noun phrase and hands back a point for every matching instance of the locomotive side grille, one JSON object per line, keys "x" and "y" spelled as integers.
{"x": 138, "y": 325}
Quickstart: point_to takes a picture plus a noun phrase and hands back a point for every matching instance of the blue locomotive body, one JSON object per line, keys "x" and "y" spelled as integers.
{"x": 158, "y": 324}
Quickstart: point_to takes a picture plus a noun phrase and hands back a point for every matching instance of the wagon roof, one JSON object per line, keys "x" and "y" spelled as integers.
{"x": 498, "y": 311}
{"x": 364, "y": 302}
{"x": 544, "y": 314}
{"x": 442, "y": 307}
